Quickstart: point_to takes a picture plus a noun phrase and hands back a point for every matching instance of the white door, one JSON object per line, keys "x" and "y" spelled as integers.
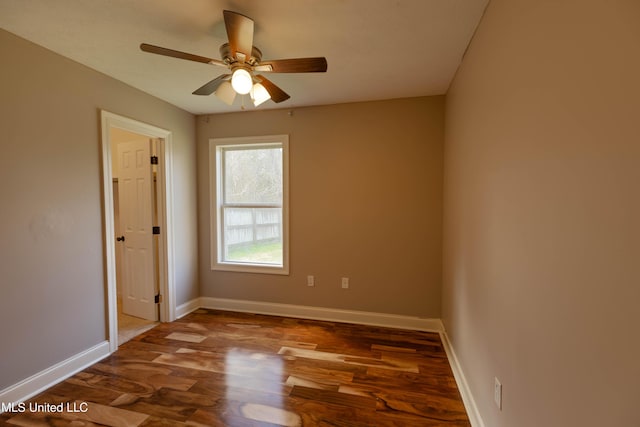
{"x": 135, "y": 198}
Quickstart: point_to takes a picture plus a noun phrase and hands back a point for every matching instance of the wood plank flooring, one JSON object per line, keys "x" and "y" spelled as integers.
{"x": 216, "y": 368}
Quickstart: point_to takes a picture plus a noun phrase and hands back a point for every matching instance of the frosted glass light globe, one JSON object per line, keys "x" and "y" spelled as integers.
{"x": 241, "y": 81}
{"x": 259, "y": 94}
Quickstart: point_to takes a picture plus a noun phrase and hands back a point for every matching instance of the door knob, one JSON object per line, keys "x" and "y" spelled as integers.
{"x": 120, "y": 239}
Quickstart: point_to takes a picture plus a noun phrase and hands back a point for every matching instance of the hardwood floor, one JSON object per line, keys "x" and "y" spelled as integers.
{"x": 215, "y": 368}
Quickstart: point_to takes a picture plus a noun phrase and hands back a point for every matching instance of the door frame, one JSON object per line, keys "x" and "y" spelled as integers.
{"x": 164, "y": 179}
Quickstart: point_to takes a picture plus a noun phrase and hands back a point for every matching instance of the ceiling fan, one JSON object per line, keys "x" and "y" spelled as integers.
{"x": 244, "y": 60}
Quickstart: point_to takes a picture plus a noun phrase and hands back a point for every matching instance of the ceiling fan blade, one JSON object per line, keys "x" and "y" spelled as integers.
{"x": 296, "y": 65}
{"x": 240, "y": 34}
{"x": 180, "y": 55}
{"x": 277, "y": 94}
{"x": 209, "y": 88}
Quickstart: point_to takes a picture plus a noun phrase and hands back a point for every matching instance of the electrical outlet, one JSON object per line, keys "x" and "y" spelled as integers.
{"x": 497, "y": 393}
{"x": 345, "y": 283}
{"x": 311, "y": 281}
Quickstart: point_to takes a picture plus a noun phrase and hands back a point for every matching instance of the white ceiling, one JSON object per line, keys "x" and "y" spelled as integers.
{"x": 376, "y": 49}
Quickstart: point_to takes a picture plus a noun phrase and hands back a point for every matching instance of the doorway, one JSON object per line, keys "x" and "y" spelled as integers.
{"x": 139, "y": 259}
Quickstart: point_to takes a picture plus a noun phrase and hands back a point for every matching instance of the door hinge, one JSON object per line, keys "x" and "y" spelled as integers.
{"x": 156, "y": 230}
{"x": 158, "y": 299}
{"x": 154, "y": 160}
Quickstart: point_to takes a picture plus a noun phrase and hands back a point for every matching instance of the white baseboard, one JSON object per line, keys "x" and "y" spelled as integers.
{"x": 186, "y": 308}
{"x": 467, "y": 398}
{"x": 315, "y": 313}
{"x": 44, "y": 379}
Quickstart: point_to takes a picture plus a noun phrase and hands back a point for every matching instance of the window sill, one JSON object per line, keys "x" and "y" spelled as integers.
{"x": 250, "y": 268}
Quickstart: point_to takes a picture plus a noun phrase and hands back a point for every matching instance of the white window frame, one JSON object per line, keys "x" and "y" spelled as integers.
{"x": 216, "y": 146}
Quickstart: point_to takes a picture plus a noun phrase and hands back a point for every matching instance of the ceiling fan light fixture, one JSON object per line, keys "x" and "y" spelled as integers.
{"x": 245, "y": 63}
{"x": 226, "y": 93}
{"x": 259, "y": 94}
{"x": 241, "y": 81}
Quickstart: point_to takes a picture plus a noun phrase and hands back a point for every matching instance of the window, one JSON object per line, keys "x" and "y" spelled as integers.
{"x": 249, "y": 204}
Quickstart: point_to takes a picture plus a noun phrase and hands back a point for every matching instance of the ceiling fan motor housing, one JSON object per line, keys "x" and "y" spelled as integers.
{"x": 227, "y": 55}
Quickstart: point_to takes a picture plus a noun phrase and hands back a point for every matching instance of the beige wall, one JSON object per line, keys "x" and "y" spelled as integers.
{"x": 366, "y": 203}
{"x": 542, "y": 213}
{"x": 52, "y": 284}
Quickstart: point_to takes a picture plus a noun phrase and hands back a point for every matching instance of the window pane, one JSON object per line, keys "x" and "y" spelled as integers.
{"x": 253, "y": 235}
{"x": 253, "y": 175}
{"x": 250, "y": 187}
